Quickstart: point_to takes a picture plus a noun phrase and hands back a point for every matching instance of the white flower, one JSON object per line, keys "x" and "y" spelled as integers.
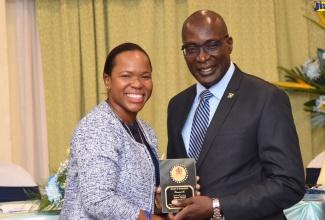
{"x": 311, "y": 68}
{"x": 52, "y": 190}
{"x": 63, "y": 167}
{"x": 320, "y": 104}
{"x": 55, "y": 188}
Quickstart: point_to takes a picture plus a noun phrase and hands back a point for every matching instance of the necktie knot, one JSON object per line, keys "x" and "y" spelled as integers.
{"x": 206, "y": 95}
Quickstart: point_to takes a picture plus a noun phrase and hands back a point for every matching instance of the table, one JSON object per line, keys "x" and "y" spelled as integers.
{"x": 310, "y": 208}
{"x": 307, "y": 209}
{"x": 28, "y": 215}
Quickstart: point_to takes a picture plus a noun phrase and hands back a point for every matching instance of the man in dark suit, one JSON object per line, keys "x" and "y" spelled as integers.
{"x": 249, "y": 164}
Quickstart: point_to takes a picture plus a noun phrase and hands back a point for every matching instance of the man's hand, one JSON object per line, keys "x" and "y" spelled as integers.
{"x": 158, "y": 205}
{"x": 198, "y": 186}
{"x": 197, "y": 207}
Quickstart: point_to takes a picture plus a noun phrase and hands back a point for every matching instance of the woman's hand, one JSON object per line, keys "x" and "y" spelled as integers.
{"x": 158, "y": 206}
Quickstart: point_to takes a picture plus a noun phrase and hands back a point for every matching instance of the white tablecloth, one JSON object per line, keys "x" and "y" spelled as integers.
{"x": 23, "y": 210}
{"x": 28, "y": 216}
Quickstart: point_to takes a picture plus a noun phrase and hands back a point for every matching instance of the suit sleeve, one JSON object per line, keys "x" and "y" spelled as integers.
{"x": 280, "y": 158}
{"x": 170, "y": 145}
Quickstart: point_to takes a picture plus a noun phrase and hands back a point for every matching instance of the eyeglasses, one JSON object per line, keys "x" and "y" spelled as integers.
{"x": 210, "y": 48}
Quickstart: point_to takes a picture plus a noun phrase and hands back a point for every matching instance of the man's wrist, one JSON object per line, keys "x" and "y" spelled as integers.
{"x": 216, "y": 209}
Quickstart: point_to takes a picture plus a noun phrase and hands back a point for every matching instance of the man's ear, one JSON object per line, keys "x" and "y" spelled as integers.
{"x": 230, "y": 42}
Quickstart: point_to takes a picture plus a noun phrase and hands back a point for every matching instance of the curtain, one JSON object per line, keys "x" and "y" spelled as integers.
{"x": 25, "y": 132}
{"x": 76, "y": 37}
{"x": 5, "y": 149}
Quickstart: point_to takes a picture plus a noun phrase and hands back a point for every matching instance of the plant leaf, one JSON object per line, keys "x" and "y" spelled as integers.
{"x": 321, "y": 15}
{"x": 317, "y": 121}
{"x": 319, "y": 89}
{"x": 320, "y": 54}
{"x": 316, "y": 22}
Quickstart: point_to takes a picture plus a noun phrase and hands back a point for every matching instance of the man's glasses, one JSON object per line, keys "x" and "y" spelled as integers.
{"x": 210, "y": 48}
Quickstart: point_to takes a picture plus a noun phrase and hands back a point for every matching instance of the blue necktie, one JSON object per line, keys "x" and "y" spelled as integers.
{"x": 200, "y": 125}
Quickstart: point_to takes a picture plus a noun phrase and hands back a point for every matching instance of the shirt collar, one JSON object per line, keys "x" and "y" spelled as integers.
{"x": 219, "y": 88}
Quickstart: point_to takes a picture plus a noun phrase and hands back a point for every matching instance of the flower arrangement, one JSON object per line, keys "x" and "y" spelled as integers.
{"x": 51, "y": 192}
{"x": 310, "y": 78}
{"x": 53, "y": 199}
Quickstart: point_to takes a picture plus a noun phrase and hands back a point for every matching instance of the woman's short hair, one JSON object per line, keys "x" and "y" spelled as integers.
{"x": 110, "y": 60}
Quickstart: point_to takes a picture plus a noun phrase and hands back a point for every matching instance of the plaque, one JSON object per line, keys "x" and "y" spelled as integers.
{"x": 177, "y": 181}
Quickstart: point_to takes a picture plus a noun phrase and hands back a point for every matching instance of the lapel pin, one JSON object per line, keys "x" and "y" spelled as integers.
{"x": 230, "y": 95}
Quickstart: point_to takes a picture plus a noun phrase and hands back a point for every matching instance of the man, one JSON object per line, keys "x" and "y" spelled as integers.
{"x": 249, "y": 164}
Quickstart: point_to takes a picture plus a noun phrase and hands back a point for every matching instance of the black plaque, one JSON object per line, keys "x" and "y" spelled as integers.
{"x": 177, "y": 181}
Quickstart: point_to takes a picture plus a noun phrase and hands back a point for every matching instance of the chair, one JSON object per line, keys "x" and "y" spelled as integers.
{"x": 313, "y": 169}
{"x": 14, "y": 180}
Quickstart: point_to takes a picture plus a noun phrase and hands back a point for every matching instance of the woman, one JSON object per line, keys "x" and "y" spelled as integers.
{"x": 113, "y": 165}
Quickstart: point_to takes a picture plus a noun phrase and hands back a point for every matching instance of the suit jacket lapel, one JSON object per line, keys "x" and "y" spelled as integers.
{"x": 225, "y": 105}
{"x": 183, "y": 116}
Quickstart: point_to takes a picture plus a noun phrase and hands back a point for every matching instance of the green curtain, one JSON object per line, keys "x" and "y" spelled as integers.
{"x": 77, "y": 35}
